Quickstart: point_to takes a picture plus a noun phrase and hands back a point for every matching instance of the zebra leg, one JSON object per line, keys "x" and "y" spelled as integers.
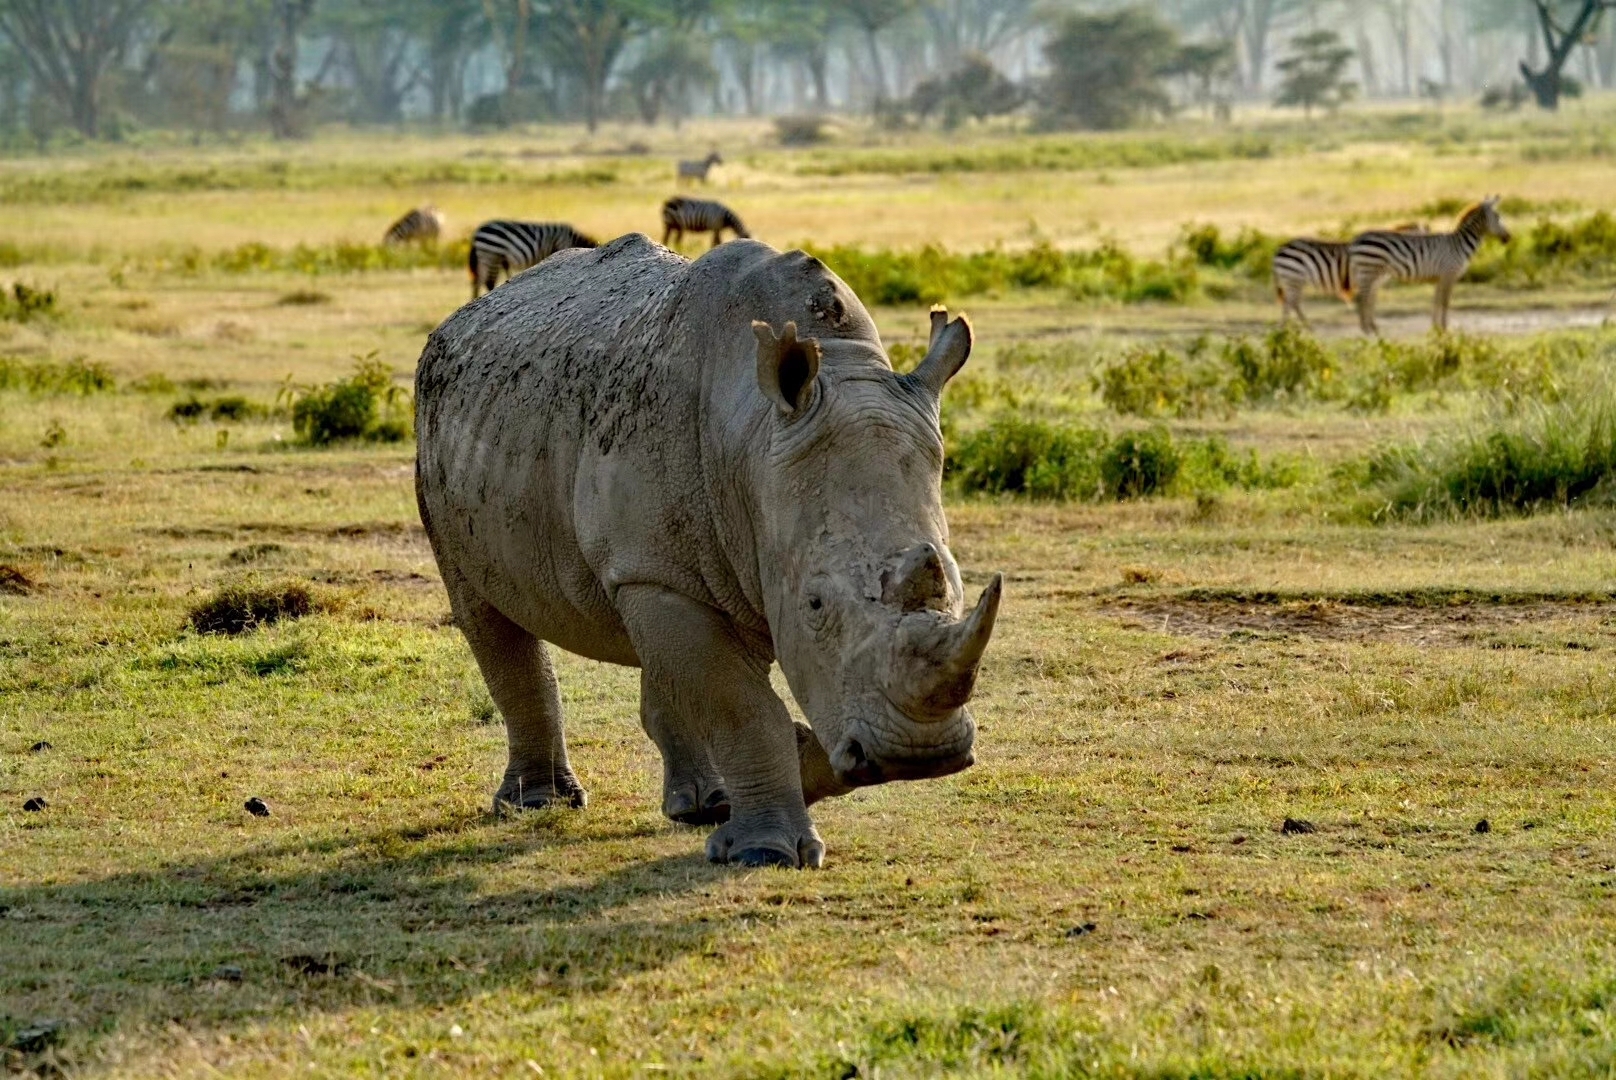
{"x": 1439, "y": 315}
{"x": 667, "y": 231}
{"x": 718, "y": 237}
{"x": 1365, "y": 301}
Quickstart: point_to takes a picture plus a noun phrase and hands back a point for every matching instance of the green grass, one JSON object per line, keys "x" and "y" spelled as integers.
{"x": 1106, "y": 893}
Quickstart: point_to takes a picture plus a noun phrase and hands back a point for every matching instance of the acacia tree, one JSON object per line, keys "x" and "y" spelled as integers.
{"x": 70, "y": 47}
{"x": 872, "y": 17}
{"x": 1312, "y": 75}
{"x": 1106, "y": 71}
{"x": 1560, "y": 39}
{"x": 584, "y": 38}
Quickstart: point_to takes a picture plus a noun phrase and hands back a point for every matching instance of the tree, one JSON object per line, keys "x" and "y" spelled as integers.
{"x": 286, "y": 105}
{"x": 1560, "y": 39}
{"x": 872, "y": 17}
{"x": 584, "y": 39}
{"x": 1204, "y": 65}
{"x": 1106, "y": 71}
{"x": 70, "y": 47}
{"x": 976, "y": 89}
{"x": 1312, "y": 75}
{"x": 674, "y": 64}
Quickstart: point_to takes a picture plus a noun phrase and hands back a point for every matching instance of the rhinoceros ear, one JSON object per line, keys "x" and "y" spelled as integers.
{"x": 949, "y": 348}
{"x": 786, "y": 367}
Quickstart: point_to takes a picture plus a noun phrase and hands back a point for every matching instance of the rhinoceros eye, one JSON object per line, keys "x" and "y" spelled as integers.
{"x": 816, "y": 613}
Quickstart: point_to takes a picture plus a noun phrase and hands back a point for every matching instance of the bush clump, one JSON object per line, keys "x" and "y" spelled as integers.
{"x": 931, "y": 274}
{"x": 1140, "y": 463}
{"x": 1030, "y": 457}
{"x": 51, "y": 377}
{"x": 26, "y": 303}
{"x": 247, "y": 605}
{"x": 367, "y": 405}
{"x": 1549, "y": 456}
{"x": 231, "y": 408}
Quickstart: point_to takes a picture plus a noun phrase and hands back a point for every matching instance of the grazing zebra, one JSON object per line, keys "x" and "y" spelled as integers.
{"x": 419, "y": 225}
{"x": 513, "y": 246}
{"x": 681, "y": 215}
{"x": 1375, "y": 257}
{"x": 1315, "y": 264}
{"x": 697, "y": 170}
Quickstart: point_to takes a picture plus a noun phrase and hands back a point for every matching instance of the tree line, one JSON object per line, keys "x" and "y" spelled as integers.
{"x": 103, "y": 67}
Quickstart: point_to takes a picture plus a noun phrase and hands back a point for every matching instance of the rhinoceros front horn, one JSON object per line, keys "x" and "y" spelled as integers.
{"x": 942, "y": 661}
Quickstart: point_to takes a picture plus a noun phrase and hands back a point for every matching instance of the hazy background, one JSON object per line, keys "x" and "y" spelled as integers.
{"x": 117, "y": 68}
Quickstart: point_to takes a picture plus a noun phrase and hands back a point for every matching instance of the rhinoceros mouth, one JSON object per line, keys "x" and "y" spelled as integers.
{"x": 861, "y": 759}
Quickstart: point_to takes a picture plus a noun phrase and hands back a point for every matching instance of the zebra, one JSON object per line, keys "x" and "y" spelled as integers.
{"x": 1440, "y": 257}
{"x": 1305, "y": 263}
{"x": 513, "y": 246}
{"x": 681, "y": 215}
{"x": 697, "y": 170}
{"x": 422, "y": 224}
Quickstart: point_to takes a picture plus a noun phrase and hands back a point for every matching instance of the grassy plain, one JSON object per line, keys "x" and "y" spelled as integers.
{"x": 1107, "y": 893}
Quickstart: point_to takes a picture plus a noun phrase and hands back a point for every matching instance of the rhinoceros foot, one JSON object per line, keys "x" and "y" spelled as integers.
{"x": 686, "y": 805}
{"x": 766, "y": 843}
{"x": 519, "y": 793}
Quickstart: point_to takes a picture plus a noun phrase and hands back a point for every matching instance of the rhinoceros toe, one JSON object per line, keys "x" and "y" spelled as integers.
{"x": 743, "y": 846}
{"x": 683, "y": 806}
{"x": 518, "y": 795}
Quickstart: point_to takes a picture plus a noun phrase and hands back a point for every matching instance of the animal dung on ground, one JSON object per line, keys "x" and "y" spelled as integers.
{"x": 35, "y": 805}
{"x": 227, "y": 973}
{"x": 257, "y": 807}
{"x": 1081, "y": 930}
{"x": 1292, "y": 826}
{"x": 1484, "y": 826}
{"x": 40, "y": 747}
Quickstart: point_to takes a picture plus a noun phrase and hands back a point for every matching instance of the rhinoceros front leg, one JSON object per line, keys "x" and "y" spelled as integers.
{"x": 516, "y": 666}
{"x": 702, "y": 672}
{"x": 692, "y": 789}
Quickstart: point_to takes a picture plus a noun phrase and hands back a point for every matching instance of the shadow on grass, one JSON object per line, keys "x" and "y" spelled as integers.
{"x": 391, "y": 918}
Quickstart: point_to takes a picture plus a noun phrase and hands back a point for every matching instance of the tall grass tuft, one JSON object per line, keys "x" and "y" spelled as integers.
{"x": 1540, "y": 457}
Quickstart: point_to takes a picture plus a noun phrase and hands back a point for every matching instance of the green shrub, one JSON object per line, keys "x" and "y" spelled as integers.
{"x": 26, "y": 303}
{"x": 1140, "y": 463}
{"x": 1548, "y": 456}
{"x": 1290, "y": 363}
{"x": 247, "y": 605}
{"x": 51, "y": 377}
{"x": 1210, "y": 465}
{"x": 1029, "y": 457}
{"x": 1160, "y": 381}
{"x": 366, "y": 405}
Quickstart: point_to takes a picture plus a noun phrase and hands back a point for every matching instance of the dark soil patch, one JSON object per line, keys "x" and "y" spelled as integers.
{"x": 14, "y": 582}
{"x": 1457, "y": 617}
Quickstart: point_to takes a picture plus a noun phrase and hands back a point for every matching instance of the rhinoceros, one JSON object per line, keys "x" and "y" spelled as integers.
{"x": 696, "y": 469}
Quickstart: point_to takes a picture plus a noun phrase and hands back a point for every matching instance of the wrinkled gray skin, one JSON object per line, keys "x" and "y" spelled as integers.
{"x": 696, "y": 469}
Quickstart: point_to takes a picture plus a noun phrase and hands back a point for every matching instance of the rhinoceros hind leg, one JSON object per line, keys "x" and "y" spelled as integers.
{"x": 516, "y": 666}
{"x": 692, "y": 791}
{"x": 698, "y": 667}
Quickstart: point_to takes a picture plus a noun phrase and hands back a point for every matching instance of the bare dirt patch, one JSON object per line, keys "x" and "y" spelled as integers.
{"x": 1418, "y": 617}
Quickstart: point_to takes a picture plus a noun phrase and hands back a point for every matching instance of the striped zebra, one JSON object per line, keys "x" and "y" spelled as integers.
{"x": 1305, "y": 263}
{"x": 1375, "y": 257}
{"x": 681, "y": 215}
{"x": 698, "y": 170}
{"x": 422, "y": 224}
{"x": 510, "y": 247}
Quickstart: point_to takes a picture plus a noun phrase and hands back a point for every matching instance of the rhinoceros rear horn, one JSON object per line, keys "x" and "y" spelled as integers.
{"x": 786, "y": 366}
{"x": 949, "y": 348}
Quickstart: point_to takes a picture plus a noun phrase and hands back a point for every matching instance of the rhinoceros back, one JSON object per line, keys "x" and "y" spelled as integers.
{"x": 592, "y": 422}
